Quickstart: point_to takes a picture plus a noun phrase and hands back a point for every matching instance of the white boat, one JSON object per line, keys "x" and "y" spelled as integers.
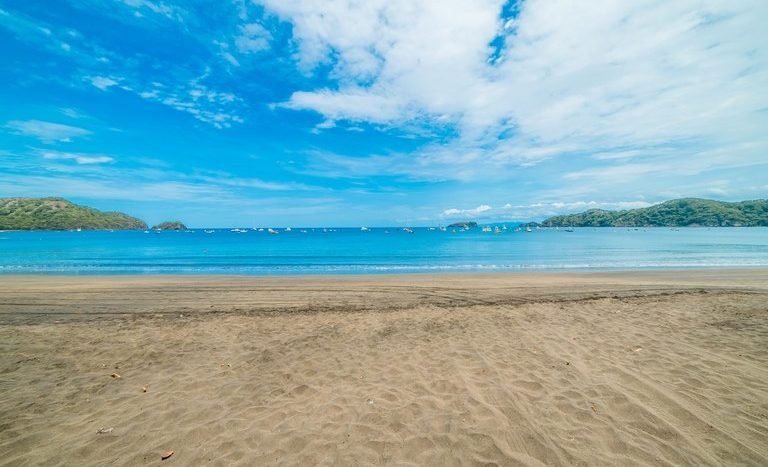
{"x": 273, "y": 231}
{"x": 261, "y": 230}
{"x": 443, "y": 229}
{"x": 288, "y": 229}
{"x": 364, "y": 229}
{"x": 497, "y": 230}
{"x": 209, "y": 231}
{"x": 487, "y": 229}
{"x": 408, "y": 230}
{"x": 528, "y": 229}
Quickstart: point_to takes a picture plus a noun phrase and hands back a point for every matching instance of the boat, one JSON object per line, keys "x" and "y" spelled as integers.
{"x": 497, "y": 230}
{"x": 569, "y": 229}
{"x": 209, "y": 231}
{"x": 528, "y": 229}
{"x": 487, "y": 229}
{"x": 443, "y": 229}
{"x": 288, "y": 229}
{"x": 273, "y": 231}
{"x": 364, "y": 229}
{"x": 408, "y": 230}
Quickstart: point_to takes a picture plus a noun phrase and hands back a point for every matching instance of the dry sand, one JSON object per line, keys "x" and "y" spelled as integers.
{"x": 549, "y": 369}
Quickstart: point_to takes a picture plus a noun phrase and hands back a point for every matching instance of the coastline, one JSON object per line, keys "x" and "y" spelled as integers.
{"x": 644, "y": 367}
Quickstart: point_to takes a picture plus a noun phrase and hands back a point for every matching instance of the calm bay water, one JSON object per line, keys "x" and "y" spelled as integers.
{"x": 352, "y": 251}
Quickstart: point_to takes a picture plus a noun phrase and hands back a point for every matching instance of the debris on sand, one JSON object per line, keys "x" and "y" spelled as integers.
{"x": 167, "y": 454}
{"x": 115, "y": 375}
{"x": 102, "y": 431}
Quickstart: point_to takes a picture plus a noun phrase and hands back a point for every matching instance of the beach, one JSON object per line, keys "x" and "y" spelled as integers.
{"x": 633, "y": 368}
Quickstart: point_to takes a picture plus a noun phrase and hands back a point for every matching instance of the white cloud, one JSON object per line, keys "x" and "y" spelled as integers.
{"x": 102, "y": 82}
{"x": 453, "y": 212}
{"x": 625, "y": 80}
{"x": 162, "y": 9}
{"x": 47, "y": 132}
{"x": 82, "y": 159}
{"x": 253, "y": 37}
{"x": 218, "y": 108}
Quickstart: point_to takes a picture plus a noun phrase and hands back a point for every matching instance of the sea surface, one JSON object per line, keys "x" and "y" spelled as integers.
{"x": 378, "y": 251}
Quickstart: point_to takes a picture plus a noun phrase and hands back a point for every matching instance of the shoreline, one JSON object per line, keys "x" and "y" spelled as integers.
{"x": 533, "y": 272}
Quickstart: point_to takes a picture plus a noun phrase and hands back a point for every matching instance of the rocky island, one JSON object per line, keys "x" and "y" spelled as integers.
{"x": 463, "y": 225}
{"x": 170, "y": 225}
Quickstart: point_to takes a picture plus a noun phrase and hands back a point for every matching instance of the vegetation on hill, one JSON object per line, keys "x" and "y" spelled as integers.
{"x": 59, "y": 214}
{"x": 675, "y": 213}
{"x": 170, "y": 225}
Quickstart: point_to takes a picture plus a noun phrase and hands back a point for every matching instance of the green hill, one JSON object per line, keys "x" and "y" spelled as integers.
{"x": 59, "y": 214}
{"x": 675, "y": 213}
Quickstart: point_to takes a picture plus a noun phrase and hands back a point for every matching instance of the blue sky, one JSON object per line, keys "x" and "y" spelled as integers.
{"x": 383, "y": 112}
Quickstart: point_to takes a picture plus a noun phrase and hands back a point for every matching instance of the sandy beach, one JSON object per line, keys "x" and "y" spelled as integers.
{"x": 652, "y": 368}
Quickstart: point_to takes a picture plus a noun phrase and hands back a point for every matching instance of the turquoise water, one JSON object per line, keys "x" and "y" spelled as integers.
{"x": 352, "y": 251}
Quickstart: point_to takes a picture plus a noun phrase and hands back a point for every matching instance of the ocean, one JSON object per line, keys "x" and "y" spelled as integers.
{"x": 378, "y": 251}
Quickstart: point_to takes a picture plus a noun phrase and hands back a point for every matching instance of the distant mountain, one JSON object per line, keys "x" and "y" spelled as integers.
{"x": 687, "y": 212}
{"x": 59, "y": 214}
{"x": 170, "y": 225}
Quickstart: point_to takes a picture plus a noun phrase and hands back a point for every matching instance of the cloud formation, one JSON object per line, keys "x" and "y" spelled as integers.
{"x": 47, "y": 132}
{"x": 627, "y": 80}
{"x": 82, "y": 159}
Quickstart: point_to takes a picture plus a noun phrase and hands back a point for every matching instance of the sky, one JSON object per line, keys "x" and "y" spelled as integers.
{"x": 381, "y": 112}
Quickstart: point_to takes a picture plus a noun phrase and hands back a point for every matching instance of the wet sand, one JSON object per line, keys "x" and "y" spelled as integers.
{"x": 653, "y": 368}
